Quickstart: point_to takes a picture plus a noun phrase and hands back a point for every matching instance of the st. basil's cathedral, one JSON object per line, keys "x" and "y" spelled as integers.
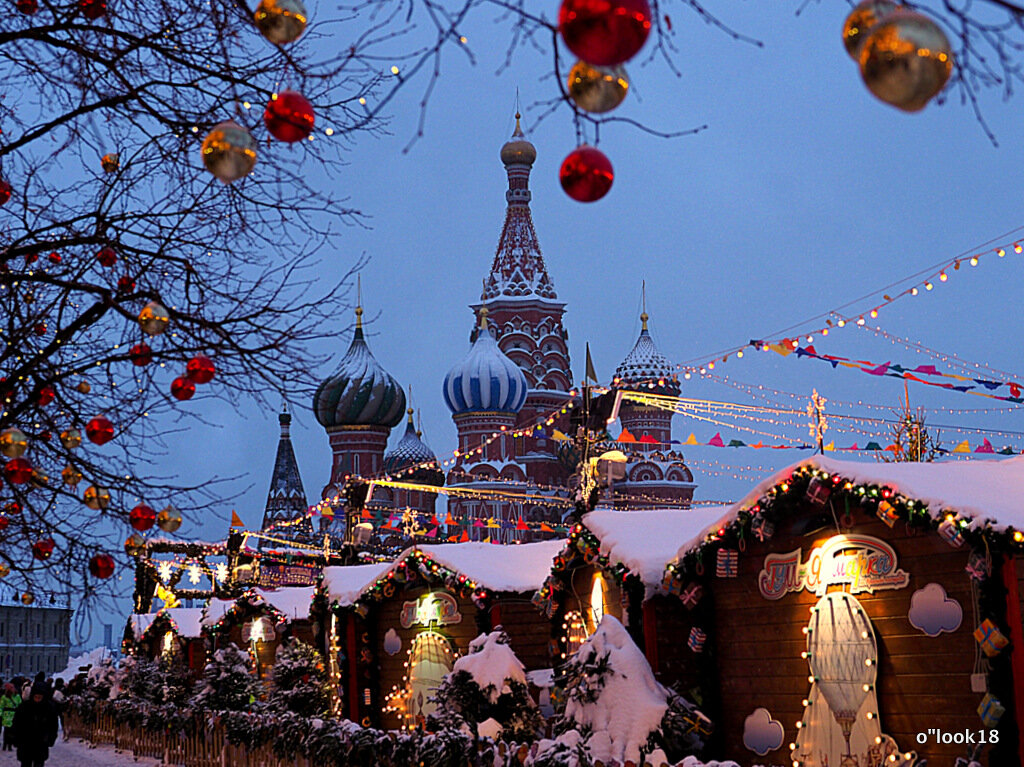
{"x": 508, "y": 396}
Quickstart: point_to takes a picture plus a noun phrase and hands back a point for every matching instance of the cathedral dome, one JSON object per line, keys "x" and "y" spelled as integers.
{"x": 645, "y": 365}
{"x": 486, "y": 380}
{"x": 360, "y": 392}
{"x": 410, "y": 451}
{"x": 518, "y": 151}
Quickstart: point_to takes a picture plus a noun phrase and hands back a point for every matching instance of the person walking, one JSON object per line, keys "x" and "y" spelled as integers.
{"x": 9, "y": 702}
{"x": 59, "y": 699}
{"x": 35, "y": 727}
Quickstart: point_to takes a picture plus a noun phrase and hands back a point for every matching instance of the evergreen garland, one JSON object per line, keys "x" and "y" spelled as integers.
{"x": 298, "y": 680}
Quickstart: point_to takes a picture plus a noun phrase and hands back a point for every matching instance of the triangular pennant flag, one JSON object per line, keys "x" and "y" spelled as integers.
{"x": 830, "y": 447}
{"x": 1006, "y": 451}
{"x": 487, "y": 539}
{"x": 963, "y": 447}
{"x": 434, "y": 520}
{"x": 465, "y": 536}
{"x": 328, "y": 511}
{"x": 236, "y": 521}
{"x": 872, "y": 446}
{"x": 546, "y": 528}
{"x": 479, "y": 523}
{"x": 784, "y": 349}
{"x": 985, "y": 447}
{"x": 853, "y": 447}
{"x": 521, "y": 524}
{"x": 716, "y": 441}
{"x": 626, "y": 437}
{"x": 559, "y": 436}
{"x": 449, "y": 520}
{"x": 737, "y": 443}
{"x": 691, "y": 440}
{"x": 432, "y": 533}
{"x": 892, "y": 448}
{"x": 492, "y": 524}
{"x": 757, "y": 445}
{"x": 366, "y": 514}
{"x": 506, "y": 524}
{"x": 453, "y": 538}
{"x": 591, "y": 375}
{"x": 647, "y": 439}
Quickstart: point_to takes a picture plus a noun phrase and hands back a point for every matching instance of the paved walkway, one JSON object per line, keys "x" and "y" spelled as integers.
{"x": 76, "y": 753}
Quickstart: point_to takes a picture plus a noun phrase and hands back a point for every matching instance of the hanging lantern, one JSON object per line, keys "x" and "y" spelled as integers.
{"x": 70, "y": 438}
{"x": 18, "y": 471}
{"x": 134, "y": 545}
{"x": 42, "y": 549}
{"x": 861, "y": 21}
{"x": 586, "y": 174}
{"x": 70, "y": 475}
{"x": 99, "y": 430}
{"x": 154, "y": 318}
{"x": 906, "y": 60}
{"x": 27, "y": 598}
{"x": 200, "y": 369}
{"x": 142, "y": 517}
{"x": 182, "y": 388}
{"x": 96, "y": 497}
{"x": 13, "y": 442}
{"x": 46, "y": 396}
{"x": 597, "y": 89}
{"x": 5, "y": 191}
{"x": 169, "y": 519}
{"x": 28, "y": 7}
{"x": 101, "y": 566}
{"x": 229, "y": 152}
{"x": 93, "y": 9}
{"x": 107, "y": 256}
{"x": 604, "y": 32}
{"x": 281, "y": 21}
{"x": 289, "y": 117}
{"x": 110, "y": 162}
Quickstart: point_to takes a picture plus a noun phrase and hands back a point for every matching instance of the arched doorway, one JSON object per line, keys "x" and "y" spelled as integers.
{"x": 430, "y": 658}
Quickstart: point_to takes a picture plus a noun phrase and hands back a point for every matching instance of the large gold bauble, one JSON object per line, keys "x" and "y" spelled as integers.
{"x": 70, "y": 438}
{"x": 861, "y": 21}
{"x": 281, "y": 21}
{"x": 39, "y": 478}
{"x": 27, "y": 598}
{"x": 154, "y": 318}
{"x": 134, "y": 545}
{"x": 70, "y": 475}
{"x": 169, "y": 519}
{"x": 229, "y": 152}
{"x": 96, "y": 497}
{"x": 13, "y": 442}
{"x": 597, "y": 89}
{"x": 906, "y": 60}
{"x": 4, "y": 570}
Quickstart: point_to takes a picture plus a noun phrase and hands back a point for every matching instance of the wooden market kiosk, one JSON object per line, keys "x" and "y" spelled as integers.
{"x": 863, "y": 614}
{"x": 174, "y": 631}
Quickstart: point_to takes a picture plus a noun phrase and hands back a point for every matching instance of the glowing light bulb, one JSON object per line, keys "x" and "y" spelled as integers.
{"x": 928, "y": 286}
{"x": 974, "y": 261}
{"x": 943, "y": 276}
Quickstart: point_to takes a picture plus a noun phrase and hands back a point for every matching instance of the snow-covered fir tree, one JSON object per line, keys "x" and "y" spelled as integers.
{"x": 298, "y": 680}
{"x": 228, "y": 682}
{"x": 486, "y": 693}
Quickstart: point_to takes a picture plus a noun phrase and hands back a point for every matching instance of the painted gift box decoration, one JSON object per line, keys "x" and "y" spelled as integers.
{"x": 990, "y": 710}
{"x": 990, "y": 638}
{"x": 979, "y": 565}
{"x": 950, "y": 532}
{"x": 887, "y": 513}
{"x": 671, "y": 584}
{"x": 691, "y": 595}
{"x": 762, "y": 528}
{"x": 727, "y": 563}
{"x": 696, "y": 639}
{"x": 818, "y": 492}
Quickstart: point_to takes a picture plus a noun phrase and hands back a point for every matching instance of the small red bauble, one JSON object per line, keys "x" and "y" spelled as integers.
{"x": 141, "y": 355}
{"x": 93, "y": 9}
{"x": 5, "y": 191}
{"x": 46, "y": 395}
{"x": 604, "y": 32}
{"x": 42, "y": 549}
{"x": 125, "y": 284}
{"x": 101, "y": 566}
{"x": 3, "y": 523}
{"x": 289, "y": 117}
{"x": 586, "y": 174}
{"x": 54, "y": 257}
{"x": 40, "y": 329}
{"x": 99, "y": 430}
{"x": 28, "y": 7}
{"x": 182, "y": 388}
{"x": 12, "y": 508}
{"x": 31, "y": 258}
{"x": 107, "y": 256}
{"x": 18, "y": 471}
{"x": 44, "y": 435}
{"x": 200, "y": 369}
{"x": 142, "y": 517}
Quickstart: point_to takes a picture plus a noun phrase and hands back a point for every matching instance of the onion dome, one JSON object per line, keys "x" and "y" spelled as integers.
{"x": 360, "y": 392}
{"x": 518, "y": 151}
{"x": 645, "y": 366}
{"x": 486, "y": 380}
{"x": 411, "y": 451}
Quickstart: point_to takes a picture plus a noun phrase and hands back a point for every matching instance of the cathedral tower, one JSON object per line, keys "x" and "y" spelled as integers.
{"x": 286, "y": 500}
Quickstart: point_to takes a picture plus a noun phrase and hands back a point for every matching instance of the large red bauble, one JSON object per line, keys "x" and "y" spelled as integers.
{"x": 43, "y": 548}
{"x": 107, "y": 256}
{"x": 289, "y": 117}
{"x": 93, "y": 9}
{"x": 182, "y": 388}
{"x": 125, "y": 284}
{"x": 200, "y": 369}
{"x": 141, "y": 354}
{"x": 18, "y": 471}
{"x": 604, "y": 32}
{"x": 46, "y": 395}
{"x": 28, "y": 7}
{"x": 101, "y": 566}
{"x": 99, "y": 430}
{"x": 5, "y": 191}
{"x": 142, "y": 517}
{"x": 586, "y": 174}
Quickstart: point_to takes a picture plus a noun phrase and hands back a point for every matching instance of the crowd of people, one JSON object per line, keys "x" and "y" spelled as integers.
{"x": 31, "y": 710}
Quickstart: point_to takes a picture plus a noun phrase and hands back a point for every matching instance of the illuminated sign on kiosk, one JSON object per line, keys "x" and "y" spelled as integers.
{"x": 436, "y": 608}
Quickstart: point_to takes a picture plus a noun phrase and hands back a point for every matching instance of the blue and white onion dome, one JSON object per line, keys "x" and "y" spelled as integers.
{"x": 360, "y": 392}
{"x": 412, "y": 451}
{"x": 645, "y": 368}
{"x": 486, "y": 380}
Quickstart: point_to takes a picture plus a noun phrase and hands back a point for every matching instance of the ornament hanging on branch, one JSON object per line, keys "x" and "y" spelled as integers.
{"x": 169, "y": 519}
{"x": 125, "y": 285}
{"x": 70, "y": 438}
{"x": 18, "y": 471}
{"x": 134, "y": 545}
{"x": 28, "y": 7}
{"x": 71, "y": 475}
{"x": 229, "y": 151}
{"x": 96, "y": 498}
{"x": 289, "y": 117}
{"x": 43, "y": 549}
{"x": 107, "y": 256}
{"x": 13, "y": 442}
{"x": 110, "y": 162}
{"x": 154, "y": 318}
{"x": 99, "y": 430}
{"x": 605, "y": 32}
{"x": 141, "y": 354}
{"x": 101, "y": 566}
{"x": 586, "y": 174}
{"x": 93, "y": 9}
{"x": 27, "y": 598}
{"x": 182, "y": 388}
{"x": 5, "y": 191}
{"x": 861, "y": 21}
{"x": 597, "y": 89}
{"x": 281, "y": 21}
{"x": 200, "y": 369}
{"x": 46, "y": 396}
{"x": 142, "y": 517}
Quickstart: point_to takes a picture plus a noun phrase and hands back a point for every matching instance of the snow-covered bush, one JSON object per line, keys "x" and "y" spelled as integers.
{"x": 228, "y": 683}
{"x": 486, "y": 693}
{"x": 298, "y": 680}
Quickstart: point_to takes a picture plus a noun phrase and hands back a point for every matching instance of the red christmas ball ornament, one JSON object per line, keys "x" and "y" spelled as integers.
{"x": 18, "y": 471}
{"x": 141, "y": 354}
{"x": 200, "y": 369}
{"x": 605, "y": 32}
{"x": 54, "y": 258}
{"x": 125, "y": 284}
{"x": 99, "y": 430}
{"x": 289, "y": 117}
{"x": 43, "y": 548}
{"x": 12, "y": 508}
{"x": 5, "y": 191}
{"x": 101, "y": 566}
{"x": 3, "y": 523}
{"x": 46, "y": 396}
{"x": 142, "y": 517}
{"x": 31, "y": 258}
{"x": 28, "y": 7}
{"x": 586, "y": 174}
{"x": 107, "y": 256}
{"x": 40, "y": 329}
{"x": 93, "y": 9}
{"x": 182, "y": 388}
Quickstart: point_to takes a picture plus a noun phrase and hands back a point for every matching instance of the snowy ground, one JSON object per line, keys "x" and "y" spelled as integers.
{"x": 76, "y": 753}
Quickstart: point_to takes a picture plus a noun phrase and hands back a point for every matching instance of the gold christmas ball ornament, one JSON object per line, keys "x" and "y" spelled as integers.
{"x": 70, "y": 438}
{"x": 169, "y": 519}
{"x": 861, "y": 21}
{"x": 83, "y": 387}
{"x": 229, "y": 151}
{"x": 4, "y": 570}
{"x": 39, "y": 478}
{"x": 281, "y": 21}
{"x": 110, "y": 162}
{"x": 134, "y": 545}
{"x": 70, "y": 475}
{"x": 154, "y": 318}
{"x": 906, "y": 60}
{"x": 96, "y": 497}
{"x": 27, "y": 598}
{"x": 13, "y": 442}
{"x": 597, "y": 89}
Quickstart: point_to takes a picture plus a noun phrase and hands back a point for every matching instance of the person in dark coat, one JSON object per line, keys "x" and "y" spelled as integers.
{"x": 35, "y": 727}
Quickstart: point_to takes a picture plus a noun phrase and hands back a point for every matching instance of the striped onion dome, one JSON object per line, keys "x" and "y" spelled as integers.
{"x": 411, "y": 450}
{"x": 486, "y": 380}
{"x": 360, "y": 392}
{"x": 645, "y": 365}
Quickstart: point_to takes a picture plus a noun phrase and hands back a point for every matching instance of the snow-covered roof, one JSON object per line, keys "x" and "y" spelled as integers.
{"x": 646, "y": 541}
{"x": 520, "y": 568}
{"x": 293, "y": 602}
{"x": 345, "y": 585}
{"x": 187, "y": 619}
